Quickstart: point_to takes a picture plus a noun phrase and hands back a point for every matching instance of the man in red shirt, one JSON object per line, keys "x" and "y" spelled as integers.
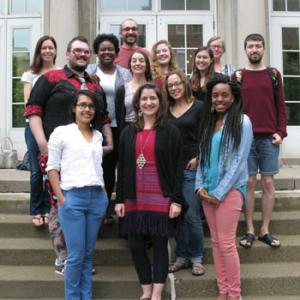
{"x": 129, "y": 33}
{"x": 263, "y": 100}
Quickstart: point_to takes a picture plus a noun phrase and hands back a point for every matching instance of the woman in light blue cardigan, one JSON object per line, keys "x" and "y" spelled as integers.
{"x": 221, "y": 180}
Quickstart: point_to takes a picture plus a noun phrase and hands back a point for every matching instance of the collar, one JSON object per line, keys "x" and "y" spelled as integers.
{"x": 70, "y": 73}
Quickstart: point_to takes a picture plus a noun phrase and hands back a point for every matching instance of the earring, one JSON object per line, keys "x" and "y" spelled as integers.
{"x": 140, "y": 113}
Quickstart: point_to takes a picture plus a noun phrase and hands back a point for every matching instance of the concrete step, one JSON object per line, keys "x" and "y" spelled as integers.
{"x": 18, "y": 203}
{"x": 18, "y": 225}
{"x": 15, "y": 181}
{"x": 39, "y": 282}
{"x": 269, "y": 279}
{"x": 245, "y": 298}
{"x": 115, "y": 252}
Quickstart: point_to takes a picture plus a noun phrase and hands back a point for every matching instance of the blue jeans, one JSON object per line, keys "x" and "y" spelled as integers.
{"x": 81, "y": 216}
{"x": 190, "y": 240}
{"x": 39, "y": 198}
{"x": 263, "y": 157}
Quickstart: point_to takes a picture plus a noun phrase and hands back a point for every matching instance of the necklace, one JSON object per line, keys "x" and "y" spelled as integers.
{"x": 141, "y": 160}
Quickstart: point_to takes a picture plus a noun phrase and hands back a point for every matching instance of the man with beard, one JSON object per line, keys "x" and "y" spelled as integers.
{"x": 263, "y": 101}
{"x": 129, "y": 33}
{"x": 49, "y": 106}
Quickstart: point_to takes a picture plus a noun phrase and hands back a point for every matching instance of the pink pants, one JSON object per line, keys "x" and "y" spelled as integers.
{"x": 223, "y": 223}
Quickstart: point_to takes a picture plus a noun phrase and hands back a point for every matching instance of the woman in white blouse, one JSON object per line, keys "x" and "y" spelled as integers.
{"x": 75, "y": 173}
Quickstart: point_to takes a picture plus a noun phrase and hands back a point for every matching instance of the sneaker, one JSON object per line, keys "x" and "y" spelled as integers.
{"x": 59, "y": 267}
{"x": 93, "y": 271}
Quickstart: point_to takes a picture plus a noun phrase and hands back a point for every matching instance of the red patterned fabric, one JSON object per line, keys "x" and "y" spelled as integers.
{"x": 33, "y": 109}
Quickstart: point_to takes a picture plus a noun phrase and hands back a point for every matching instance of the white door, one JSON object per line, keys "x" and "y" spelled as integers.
{"x": 147, "y": 28}
{"x": 285, "y": 55}
{"x": 186, "y": 34}
{"x": 21, "y": 37}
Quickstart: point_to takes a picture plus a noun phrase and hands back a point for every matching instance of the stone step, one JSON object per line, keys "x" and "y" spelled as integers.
{"x": 115, "y": 252}
{"x": 18, "y": 203}
{"x": 121, "y": 282}
{"x": 269, "y": 279}
{"x": 38, "y": 282}
{"x": 244, "y": 298}
{"x": 16, "y": 181}
{"x": 18, "y": 225}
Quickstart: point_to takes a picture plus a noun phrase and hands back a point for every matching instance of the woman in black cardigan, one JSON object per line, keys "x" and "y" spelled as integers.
{"x": 149, "y": 188}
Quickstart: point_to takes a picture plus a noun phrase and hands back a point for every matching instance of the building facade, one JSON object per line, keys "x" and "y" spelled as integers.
{"x": 187, "y": 24}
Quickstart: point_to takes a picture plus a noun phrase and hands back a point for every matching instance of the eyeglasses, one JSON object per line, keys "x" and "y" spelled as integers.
{"x": 216, "y": 47}
{"x": 175, "y": 84}
{"x": 83, "y": 106}
{"x": 130, "y": 28}
{"x": 78, "y": 51}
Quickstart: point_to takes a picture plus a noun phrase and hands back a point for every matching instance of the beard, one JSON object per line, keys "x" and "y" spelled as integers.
{"x": 255, "y": 59}
{"x": 78, "y": 68}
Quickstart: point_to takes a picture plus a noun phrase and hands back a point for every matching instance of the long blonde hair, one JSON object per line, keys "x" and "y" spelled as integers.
{"x": 155, "y": 66}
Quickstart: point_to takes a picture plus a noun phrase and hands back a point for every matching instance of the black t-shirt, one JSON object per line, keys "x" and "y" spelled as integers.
{"x": 188, "y": 125}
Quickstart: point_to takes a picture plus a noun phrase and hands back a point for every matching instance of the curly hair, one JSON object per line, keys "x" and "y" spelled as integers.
{"x": 233, "y": 123}
{"x": 106, "y": 37}
{"x": 155, "y": 67}
{"x": 37, "y": 62}
{"x": 196, "y": 75}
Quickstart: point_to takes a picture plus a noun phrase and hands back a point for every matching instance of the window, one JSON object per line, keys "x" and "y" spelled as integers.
{"x": 20, "y": 62}
{"x": 126, "y": 5}
{"x": 286, "y": 5}
{"x": 25, "y": 7}
{"x": 291, "y": 72}
{"x": 185, "y": 5}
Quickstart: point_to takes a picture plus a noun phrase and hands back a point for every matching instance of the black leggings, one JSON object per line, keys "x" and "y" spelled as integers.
{"x": 137, "y": 244}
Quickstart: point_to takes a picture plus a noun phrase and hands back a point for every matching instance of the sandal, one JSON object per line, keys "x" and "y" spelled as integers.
{"x": 37, "y": 221}
{"x": 198, "y": 269}
{"x": 249, "y": 238}
{"x": 46, "y": 219}
{"x": 177, "y": 265}
{"x": 269, "y": 240}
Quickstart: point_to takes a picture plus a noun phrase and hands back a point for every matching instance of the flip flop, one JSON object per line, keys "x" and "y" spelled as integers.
{"x": 269, "y": 239}
{"x": 37, "y": 221}
{"x": 249, "y": 238}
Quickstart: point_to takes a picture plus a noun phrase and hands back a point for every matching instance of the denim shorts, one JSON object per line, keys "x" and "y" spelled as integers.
{"x": 263, "y": 157}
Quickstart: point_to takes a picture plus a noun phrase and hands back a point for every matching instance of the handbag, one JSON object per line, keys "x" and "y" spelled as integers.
{"x": 8, "y": 155}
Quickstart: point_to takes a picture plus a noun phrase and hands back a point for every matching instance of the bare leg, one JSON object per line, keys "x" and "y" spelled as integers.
{"x": 147, "y": 291}
{"x": 250, "y": 206}
{"x": 221, "y": 297}
{"x": 268, "y": 201}
{"x": 157, "y": 291}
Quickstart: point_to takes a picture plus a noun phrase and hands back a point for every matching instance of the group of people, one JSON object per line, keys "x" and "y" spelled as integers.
{"x": 180, "y": 146}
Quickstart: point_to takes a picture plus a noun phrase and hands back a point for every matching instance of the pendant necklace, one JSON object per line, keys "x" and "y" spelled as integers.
{"x": 141, "y": 160}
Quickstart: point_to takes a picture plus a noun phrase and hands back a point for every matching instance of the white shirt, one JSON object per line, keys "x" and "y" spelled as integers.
{"x": 79, "y": 162}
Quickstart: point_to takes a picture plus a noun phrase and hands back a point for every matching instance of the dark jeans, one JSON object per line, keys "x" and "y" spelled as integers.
{"x": 138, "y": 247}
{"x": 39, "y": 198}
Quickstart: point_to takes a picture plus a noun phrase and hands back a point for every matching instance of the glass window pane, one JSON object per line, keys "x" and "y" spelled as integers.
{"x": 180, "y": 56}
{"x": 293, "y": 113}
{"x": 2, "y": 7}
{"x": 139, "y": 5}
{"x": 17, "y": 115}
{"x": 176, "y": 35}
{"x": 197, "y": 4}
{"x": 293, "y": 5}
{"x": 194, "y": 36}
{"x": 172, "y": 4}
{"x": 290, "y": 38}
{"x": 17, "y": 92}
{"x": 142, "y": 35}
{"x": 20, "y": 63}
{"x": 190, "y": 60}
{"x": 21, "y": 39}
{"x": 17, "y": 6}
{"x": 292, "y": 88}
{"x": 109, "y": 5}
{"x": 291, "y": 63}
{"x": 34, "y": 6}
{"x": 279, "y": 5}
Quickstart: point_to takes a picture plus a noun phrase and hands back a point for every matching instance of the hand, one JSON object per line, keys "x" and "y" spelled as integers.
{"x": 276, "y": 139}
{"x": 120, "y": 210}
{"x": 206, "y": 198}
{"x": 61, "y": 201}
{"x": 175, "y": 210}
{"x": 43, "y": 147}
{"x": 192, "y": 164}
